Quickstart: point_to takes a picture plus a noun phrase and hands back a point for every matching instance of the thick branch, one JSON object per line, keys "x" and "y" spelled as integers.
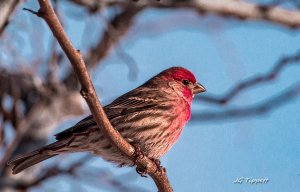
{"x": 250, "y": 11}
{"x": 228, "y": 8}
{"x": 47, "y": 13}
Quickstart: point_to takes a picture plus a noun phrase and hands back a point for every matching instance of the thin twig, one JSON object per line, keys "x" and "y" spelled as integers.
{"x": 256, "y": 80}
{"x": 252, "y": 110}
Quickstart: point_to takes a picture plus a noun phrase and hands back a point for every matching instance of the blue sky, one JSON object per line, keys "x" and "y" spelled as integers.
{"x": 209, "y": 156}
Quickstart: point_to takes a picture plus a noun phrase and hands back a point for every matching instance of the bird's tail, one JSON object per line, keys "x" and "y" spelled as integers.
{"x": 22, "y": 162}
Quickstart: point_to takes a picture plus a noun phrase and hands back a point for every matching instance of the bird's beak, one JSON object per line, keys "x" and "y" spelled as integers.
{"x": 198, "y": 88}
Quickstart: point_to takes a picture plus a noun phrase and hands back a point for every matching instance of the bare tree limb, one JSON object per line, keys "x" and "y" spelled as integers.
{"x": 46, "y": 174}
{"x": 120, "y": 25}
{"x": 250, "y": 11}
{"x": 7, "y": 8}
{"x": 253, "y": 110}
{"x": 229, "y": 8}
{"x": 88, "y": 92}
{"x": 256, "y": 80}
{"x": 22, "y": 130}
{"x": 91, "y": 5}
{"x": 116, "y": 29}
{"x": 36, "y": 108}
{"x": 74, "y": 170}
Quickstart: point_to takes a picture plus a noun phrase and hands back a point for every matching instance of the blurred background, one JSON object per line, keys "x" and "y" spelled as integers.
{"x": 246, "y": 54}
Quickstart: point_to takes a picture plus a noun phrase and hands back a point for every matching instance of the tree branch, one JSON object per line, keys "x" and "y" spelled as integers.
{"x": 31, "y": 111}
{"x": 88, "y": 92}
{"x": 228, "y": 8}
{"x": 249, "y": 11}
{"x": 123, "y": 21}
{"x": 46, "y": 174}
{"x": 7, "y": 8}
{"x": 258, "y": 109}
{"x": 256, "y": 80}
{"x": 116, "y": 29}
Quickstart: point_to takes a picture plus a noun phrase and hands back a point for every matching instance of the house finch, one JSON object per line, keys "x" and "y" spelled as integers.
{"x": 152, "y": 116}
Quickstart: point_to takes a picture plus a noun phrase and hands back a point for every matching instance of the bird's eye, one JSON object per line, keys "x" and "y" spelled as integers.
{"x": 186, "y": 82}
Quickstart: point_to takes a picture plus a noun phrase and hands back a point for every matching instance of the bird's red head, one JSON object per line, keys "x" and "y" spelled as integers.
{"x": 180, "y": 74}
{"x": 182, "y": 81}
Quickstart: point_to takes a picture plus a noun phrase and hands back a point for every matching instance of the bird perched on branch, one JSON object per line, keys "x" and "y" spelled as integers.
{"x": 151, "y": 116}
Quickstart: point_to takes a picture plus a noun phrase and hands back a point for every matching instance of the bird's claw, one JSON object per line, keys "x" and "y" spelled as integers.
{"x": 138, "y": 153}
{"x": 141, "y": 171}
{"x": 159, "y": 168}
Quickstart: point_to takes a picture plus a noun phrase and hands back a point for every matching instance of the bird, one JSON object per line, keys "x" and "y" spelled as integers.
{"x": 151, "y": 116}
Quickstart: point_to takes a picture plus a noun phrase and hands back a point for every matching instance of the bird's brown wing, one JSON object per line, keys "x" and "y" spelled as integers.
{"x": 128, "y": 103}
{"x": 80, "y": 127}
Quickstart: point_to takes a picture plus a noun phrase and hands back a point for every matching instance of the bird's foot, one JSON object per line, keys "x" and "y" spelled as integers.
{"x": 138, "y": 153}
{"x": 159, "y": 168}
{"x": 142, "y": 171}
